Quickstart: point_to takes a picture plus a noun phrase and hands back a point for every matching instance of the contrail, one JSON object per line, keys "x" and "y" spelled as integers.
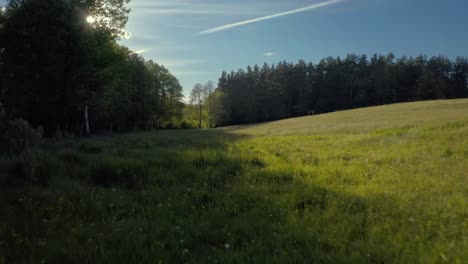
{"x": 287, "y": 13}
{"x": 142, "y": 51}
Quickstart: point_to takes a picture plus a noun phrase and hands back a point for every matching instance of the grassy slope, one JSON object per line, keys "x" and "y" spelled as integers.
{"x": 365, "y": 119}
{"x": 383, "y": 184}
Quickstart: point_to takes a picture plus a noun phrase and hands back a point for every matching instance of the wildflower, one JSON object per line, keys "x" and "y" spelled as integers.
{"x": 227, "y": 246}
{"x": 185, "y": 251}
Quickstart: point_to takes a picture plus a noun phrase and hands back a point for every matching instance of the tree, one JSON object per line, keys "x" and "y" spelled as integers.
{"x": 52, "y": 55}
{"x": 198, "y": 97}
{"x": 460, "y": 77}
{"x": 209, "y": 102}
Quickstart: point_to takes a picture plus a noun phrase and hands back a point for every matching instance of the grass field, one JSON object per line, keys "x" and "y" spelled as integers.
{"x": 386, "y": 184}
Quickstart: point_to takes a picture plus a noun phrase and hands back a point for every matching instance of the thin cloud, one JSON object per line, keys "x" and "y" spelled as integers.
{"x": 142, "y": 51}
{"x": 178, "y": 63}
{"x": 270, "y": 54}
{"x": 186, "y": 7}
{"x": 192, "y": 73}
{"x": 287, "y": 13}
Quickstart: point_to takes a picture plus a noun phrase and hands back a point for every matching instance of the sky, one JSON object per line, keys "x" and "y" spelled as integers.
{"x": 198, "y": 39}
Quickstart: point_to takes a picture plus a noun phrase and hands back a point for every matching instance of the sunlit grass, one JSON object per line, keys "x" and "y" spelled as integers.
{"x": 386, "y": 184}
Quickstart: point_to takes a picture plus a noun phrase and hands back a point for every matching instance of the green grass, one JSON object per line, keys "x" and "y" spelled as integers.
{"x": 377, "y": 185}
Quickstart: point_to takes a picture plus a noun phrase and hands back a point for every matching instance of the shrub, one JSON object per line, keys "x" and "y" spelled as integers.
{"x": 16, "y": 136}
{"x": 128, "y": 173}
{"x": 187, "y": 125}
{"x": 30, "y": 169}
{"x": 71, "y": 156}
{"x": 91, "y": 148}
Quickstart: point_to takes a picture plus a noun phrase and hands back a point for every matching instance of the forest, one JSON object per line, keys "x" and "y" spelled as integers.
{"x": 285, "y": 90}
{"x": 75, "y": 78}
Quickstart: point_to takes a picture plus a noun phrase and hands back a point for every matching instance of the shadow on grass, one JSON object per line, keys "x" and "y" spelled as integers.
{"x": 202, "y": 200}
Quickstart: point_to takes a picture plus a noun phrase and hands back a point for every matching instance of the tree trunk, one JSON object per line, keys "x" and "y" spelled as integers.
{"x": 86, "y": 117}
{"x": 200, "y": 116}
{"x": 210, "y": 115}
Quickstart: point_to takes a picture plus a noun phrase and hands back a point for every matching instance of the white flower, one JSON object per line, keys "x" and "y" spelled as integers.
{"x": 227, "y": 246}
{"x": 185, "y": 251}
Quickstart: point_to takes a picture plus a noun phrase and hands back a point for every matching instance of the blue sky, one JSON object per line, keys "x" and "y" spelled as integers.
{"x": 167, "y": 31}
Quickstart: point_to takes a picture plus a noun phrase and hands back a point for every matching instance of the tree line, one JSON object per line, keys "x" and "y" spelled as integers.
{"x": 284, "y": 90}
{"x": 62, "y": 69}
{"x": 205, "y": 107}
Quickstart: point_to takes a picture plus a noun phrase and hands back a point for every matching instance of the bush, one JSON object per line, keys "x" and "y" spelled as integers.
{"x": 72, "y": 157}
{"x": 30, "y": 169}
{"x": 128, "y": 173}
{"x": 16, "y": 136}
{"x": 91, "y": 148}
{"x": 187, "y": 125}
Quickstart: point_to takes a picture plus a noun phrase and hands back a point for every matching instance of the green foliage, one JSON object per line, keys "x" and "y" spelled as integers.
{"x": 54, "y": 34}
{"x": 206, "y": 109}
{"x": 31, "y": 169}
{"x": 84, "y": 72}
{"x": 138, "y": 95}
{"x": 16, "y": 136}
{"x": 185, "y": 124}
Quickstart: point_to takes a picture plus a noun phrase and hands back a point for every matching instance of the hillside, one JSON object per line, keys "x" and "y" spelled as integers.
{"x": 365, "y": 119}
{"x": 384, "y": 184}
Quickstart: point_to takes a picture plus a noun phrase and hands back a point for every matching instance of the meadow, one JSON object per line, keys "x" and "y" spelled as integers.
{"x": 385, "y": 184}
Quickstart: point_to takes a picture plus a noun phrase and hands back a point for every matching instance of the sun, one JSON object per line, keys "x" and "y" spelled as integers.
{"x": 90, "y": 19}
